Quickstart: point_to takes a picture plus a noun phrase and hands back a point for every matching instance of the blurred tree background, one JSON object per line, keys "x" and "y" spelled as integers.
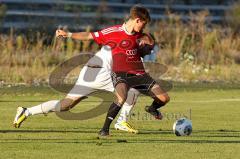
{"x": 196, "y": 45}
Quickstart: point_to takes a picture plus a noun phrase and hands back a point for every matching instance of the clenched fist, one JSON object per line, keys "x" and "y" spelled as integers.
{"x": 61, "y": 33}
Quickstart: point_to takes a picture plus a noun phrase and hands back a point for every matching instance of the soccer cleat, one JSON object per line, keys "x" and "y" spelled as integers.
{"x": 124, "y": 126}
{"x": 103, "y": 133}
{"x": 20, "y": 117}
{"x": 156, "y": 113}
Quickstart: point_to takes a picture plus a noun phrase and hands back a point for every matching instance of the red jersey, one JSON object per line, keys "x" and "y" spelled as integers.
{"x": 124, "y": 48}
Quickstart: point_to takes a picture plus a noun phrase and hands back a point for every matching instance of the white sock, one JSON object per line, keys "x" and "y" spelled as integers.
{"x": 125, "y": 112}
{"x": 128, "y": 105}
{"x": 44, "y": 108}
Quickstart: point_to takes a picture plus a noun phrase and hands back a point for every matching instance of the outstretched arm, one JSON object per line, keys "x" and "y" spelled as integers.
{"x": 77, "y": 36}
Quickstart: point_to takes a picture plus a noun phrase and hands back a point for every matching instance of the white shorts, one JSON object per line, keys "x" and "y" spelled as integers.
{"x": 90, "y": 80}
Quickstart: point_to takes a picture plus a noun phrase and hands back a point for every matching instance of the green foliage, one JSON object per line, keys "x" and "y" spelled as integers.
{"x": 204, "y": 42}
{"x": 192, "y": 51}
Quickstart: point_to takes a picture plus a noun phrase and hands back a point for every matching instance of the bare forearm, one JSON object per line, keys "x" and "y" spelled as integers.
{"x": 77, "y": 35}
{"x": 82, "y": 36}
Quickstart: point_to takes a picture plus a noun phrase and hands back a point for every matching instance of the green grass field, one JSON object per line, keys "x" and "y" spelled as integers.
{"x": 215, "y": 113}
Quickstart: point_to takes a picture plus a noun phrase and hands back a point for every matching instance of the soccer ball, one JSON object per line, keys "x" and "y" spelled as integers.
{"x": 182, "y": 127}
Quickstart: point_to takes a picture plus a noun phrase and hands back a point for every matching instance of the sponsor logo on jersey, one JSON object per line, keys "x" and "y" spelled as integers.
{"x": 125, "y": 44}
{"x": 131, "y": 52}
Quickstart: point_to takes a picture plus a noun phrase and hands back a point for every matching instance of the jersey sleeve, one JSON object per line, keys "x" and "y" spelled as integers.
{"x": 98, "y": 37}
{"x": 103, "y": 36}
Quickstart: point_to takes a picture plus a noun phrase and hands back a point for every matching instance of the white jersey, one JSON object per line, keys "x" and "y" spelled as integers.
{"x": 91, "y": 79}
{"x": 102, "y": 58}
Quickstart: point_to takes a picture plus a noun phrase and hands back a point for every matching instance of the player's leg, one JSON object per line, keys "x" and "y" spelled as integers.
{"x": 105, "y": 82}
{"x": 160, "y": 97}
{"x": 148, "y": 86}
{"x": 121, "y": 90}
{"x": 122, "y": 121}
{"x": 77, "y": 93}
{"x": 44, "y": 108}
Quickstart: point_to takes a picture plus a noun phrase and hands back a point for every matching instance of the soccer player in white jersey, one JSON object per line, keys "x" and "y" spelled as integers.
{"x": 82, "y": 89}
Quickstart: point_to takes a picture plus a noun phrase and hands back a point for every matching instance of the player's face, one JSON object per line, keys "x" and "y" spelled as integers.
{"x": 139, "y": 25}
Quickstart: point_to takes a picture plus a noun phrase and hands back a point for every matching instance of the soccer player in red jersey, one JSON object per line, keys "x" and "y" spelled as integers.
{"x": 127, "y": 67}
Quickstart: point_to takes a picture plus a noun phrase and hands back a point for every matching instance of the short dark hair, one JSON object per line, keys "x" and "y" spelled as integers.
{"x": 140, "y": 12}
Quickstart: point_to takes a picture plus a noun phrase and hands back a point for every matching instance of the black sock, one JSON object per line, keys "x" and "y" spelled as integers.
{"x": 156, "y": 104}
{"x": 112, "y": 113}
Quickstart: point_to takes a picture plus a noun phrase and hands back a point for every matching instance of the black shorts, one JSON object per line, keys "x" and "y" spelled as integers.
{"x": 142, "y": 82}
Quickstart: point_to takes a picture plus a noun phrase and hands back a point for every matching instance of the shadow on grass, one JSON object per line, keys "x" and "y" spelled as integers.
{"x": 187, "y": 141}
{"x": 200, "y": 133}
{"x": 16, "y": 101}
{"x": 136, "y": 139}
{"x": 221, "y": 131}
{"x": 49, "y": 131}
{"x": 112, "y": 141}
{"x": 41, "y": 101}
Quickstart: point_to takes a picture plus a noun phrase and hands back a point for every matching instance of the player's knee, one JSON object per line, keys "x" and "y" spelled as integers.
{"x": 121, "y": 101}
{"x": 132, "y": 96}
{"x": 164, "y": 98}
{"x": 67, "y": 103}
{"x": 133, "y": 92}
